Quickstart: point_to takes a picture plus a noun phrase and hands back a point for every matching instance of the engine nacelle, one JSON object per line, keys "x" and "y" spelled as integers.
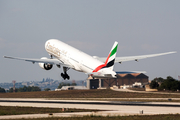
{"x": 45, "y": 66}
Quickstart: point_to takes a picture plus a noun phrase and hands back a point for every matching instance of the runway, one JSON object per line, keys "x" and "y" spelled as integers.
{"x": 94, "y": 102}
{"x": 113, "y": 108}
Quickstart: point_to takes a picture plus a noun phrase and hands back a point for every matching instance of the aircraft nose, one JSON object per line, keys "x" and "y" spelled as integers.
{"x": 47, "y": 42}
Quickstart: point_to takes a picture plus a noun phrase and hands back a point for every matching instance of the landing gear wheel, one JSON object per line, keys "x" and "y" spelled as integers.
{"x": 65, "y": 76}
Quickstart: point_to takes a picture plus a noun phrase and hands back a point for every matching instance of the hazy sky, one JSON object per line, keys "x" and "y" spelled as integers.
{"x": 140, "y": 26}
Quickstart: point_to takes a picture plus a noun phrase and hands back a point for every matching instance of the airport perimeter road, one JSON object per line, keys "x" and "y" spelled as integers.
{"x": 113, "y": 109}
{"x": 127, "y": 90}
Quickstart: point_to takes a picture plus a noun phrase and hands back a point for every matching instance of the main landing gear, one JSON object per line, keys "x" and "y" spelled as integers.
{"x": 65, "y": 69}
{"x": 65, "y": 75}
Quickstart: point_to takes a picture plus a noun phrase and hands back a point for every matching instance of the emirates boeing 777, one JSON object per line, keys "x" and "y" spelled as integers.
{"x": 62, "y": 54}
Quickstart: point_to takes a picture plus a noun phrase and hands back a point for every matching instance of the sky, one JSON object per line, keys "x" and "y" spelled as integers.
{"x": 140, "y": 27}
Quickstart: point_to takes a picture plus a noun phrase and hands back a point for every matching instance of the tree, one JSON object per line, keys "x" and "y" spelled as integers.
{"x": 2, "y": 90}
{"x": 170, "y": 84}
{"x": 20, "y": 90}
{"x": 63, "y": 84}
{"x": 26, "y": 89}
{"x": 47, "y": 89}
{"x": 160, "y": 79}
{"x": 60, "y": 85}
{"x": 73, "y": 84}
{"x": 11, "y": 90}
{"x": 154, "y": 84}
{"x": 35, "y": 88}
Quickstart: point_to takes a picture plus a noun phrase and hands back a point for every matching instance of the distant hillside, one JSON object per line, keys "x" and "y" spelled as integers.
{"x": 45, "y": 83}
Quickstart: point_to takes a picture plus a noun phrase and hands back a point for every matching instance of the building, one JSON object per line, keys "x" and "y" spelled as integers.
{"x": 122, "y": 79}
{"x": 72, "y": 88}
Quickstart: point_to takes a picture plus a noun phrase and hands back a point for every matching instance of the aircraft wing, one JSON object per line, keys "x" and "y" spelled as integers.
{"x": 134, "y": 58}
{"x": 50, "y": 61}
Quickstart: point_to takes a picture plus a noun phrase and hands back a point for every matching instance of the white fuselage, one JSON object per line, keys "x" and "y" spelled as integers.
{"x": 79, "y": 60}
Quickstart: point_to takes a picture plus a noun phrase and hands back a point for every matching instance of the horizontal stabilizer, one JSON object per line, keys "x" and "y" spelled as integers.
{"x": 94, "y": 73}
{"x": 129, "y": 72}
{"x": 100, "y": 75}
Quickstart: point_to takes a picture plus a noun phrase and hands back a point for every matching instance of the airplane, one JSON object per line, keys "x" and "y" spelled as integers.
{"x": 62, "y": 54}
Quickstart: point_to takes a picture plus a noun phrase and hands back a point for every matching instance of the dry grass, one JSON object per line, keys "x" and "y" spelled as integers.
{"x": 137, "y": 89}
{"x": 136, "y": 117}
{"x": 107, "y": 93}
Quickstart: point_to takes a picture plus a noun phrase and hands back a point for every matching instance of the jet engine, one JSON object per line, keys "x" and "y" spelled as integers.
{"x": 45, "y": 66}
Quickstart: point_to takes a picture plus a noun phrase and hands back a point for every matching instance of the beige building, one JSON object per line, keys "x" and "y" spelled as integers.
{"x": 122, "y": 79}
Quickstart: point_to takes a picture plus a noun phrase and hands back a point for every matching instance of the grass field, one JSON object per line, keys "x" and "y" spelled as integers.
{"x": 144, "y": 117}
{"x": 107, "y": 93}
{"x": 17, "y": 110}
